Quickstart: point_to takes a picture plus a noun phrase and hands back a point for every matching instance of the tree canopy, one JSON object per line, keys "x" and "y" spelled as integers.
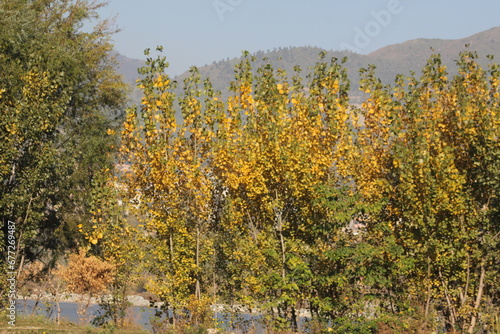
{"x": 280, "y": 194}
{"x": 248, "y": 198}
{"x": 60, "y": 94}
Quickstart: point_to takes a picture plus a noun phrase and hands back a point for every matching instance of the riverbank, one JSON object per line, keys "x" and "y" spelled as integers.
{"x": 134, "y": 300}
{"x": 140, "y": 301}
{"x": 137, "y": 317}
{"x": 40, "y": 324}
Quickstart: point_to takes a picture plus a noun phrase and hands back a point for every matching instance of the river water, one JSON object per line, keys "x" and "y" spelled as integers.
{"x": 141, "y": 316}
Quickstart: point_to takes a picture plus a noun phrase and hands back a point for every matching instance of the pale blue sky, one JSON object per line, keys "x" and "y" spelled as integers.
{"x": 198, "y": 32}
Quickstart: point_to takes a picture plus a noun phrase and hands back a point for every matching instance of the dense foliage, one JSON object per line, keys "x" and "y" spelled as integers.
{"x": 59, "y": 95}
{"x": 281, "y": 195}
{"x": 285, "y": 196}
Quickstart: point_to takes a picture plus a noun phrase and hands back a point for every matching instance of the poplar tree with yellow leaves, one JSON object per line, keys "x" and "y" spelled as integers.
{"x": 426, "y": 153}
{"x": 168, "y": 152}
{"x": 248, "y": 199}
{"x": 279, "y": 144}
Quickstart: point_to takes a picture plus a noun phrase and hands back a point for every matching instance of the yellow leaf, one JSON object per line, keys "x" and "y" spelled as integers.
{"x": 280, "y": 88}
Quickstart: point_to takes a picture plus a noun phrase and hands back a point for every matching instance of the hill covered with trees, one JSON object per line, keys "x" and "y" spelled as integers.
{"x": 389, "y": 61}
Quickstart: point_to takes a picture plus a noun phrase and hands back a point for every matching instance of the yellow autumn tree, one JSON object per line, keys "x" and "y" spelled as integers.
{"x": 277, "y": 144}
{"x": 247, "y": 199}
{"x": 422, "y": 153}
{"x": 169, "y": 182}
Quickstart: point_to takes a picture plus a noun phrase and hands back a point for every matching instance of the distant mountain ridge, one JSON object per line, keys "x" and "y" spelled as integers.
{"x": 402, "y": 58}
{"x": 486, "y": 42}
{"x": 128, "y": 67}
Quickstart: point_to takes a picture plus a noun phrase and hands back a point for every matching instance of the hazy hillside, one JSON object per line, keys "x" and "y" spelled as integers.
{"x": 222, "y": 72}
{"x": 390, "y": 61}
{"x": 486, "y": 42}
{"x": 128, "y": 68}
{"x": 412, "y": 55}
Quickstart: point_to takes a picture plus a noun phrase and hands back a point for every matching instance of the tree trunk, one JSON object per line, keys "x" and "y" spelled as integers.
{"x": 171, "y": 244}
{"x": 214, "y": 275}
{"x": 283, "y": 255}
{"x": 478, "y": 299}
{"x": 463, "y": 296}
{"x": 198, "y": 288}
{"x": 20, "y": 268}
{"x": 453, "y": 317}
{"x": 58, "y": 305}
{"x": 19, "y": 238}
{"x": 428, "y": 301}
{"x": 294, "y": 319}
{"x": 253, "y": 228}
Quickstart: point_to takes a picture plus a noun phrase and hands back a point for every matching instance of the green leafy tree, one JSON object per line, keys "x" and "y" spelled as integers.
{"x": 60, "y": 93}
{"x": 111, "y": 237}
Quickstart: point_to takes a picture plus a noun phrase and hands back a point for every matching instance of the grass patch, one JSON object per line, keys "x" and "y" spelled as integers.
{"x": 40, "y": 324}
